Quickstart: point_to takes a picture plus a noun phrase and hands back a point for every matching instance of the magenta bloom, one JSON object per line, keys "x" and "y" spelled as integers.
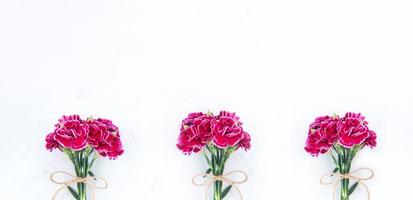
{"x": 111, "y": 147}
{"x": 327, "y": 128}
{"x": 51, "y": 143}
{"x": 371, "y": 140}
{"x": 98, "y": 132}
{"x": 200, "y": 129}
{"x": 104, "y": 136}
{"x": 65, "y": 119}
{"x": 188, "y": 142}
{"x": 195, "y": 132}
{"x": 322, "y": 135}
{"x": 72, "y": 132}
{"x": 245, "y": 143}
{"x": 200, "y": 125}
{"x": 109, "y": 125}
{"x": 227, "y": 130}
{"x": 348, "y": 131}
{"x": 352, "y": 130}
{"x": 76, "y": 134}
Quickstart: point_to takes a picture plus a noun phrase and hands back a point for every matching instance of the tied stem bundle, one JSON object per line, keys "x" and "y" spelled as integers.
{"x": 83, "y": 142}
{"x": 74, "y": 180}
{"x": 341, "y": 137}
{"x": 335, "y": 179}
{"x": 224, "y": 178}
{"x": 216, "y": 137}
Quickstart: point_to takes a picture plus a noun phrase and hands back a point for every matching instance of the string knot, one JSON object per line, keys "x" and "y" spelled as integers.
{"x": 335, "y": 178}
{"x": 74, "y": 179}
{"x": 210, "y": 179}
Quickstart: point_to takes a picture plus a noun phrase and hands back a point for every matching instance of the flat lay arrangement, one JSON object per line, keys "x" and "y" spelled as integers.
{"x": 206, "y": 100}
{"x": 215, "y": 137}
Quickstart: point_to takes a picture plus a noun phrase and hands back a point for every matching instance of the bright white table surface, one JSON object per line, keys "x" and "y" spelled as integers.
{"x": 146, "y": 64}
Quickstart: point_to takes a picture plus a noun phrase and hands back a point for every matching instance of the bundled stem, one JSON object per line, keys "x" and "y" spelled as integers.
{"x": 82, "y": 166}
{"x": 344, "y": 157}
{"x": 216, "y": 161}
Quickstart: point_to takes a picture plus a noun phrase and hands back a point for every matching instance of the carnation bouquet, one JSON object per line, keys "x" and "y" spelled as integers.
{"x": 83, "y": 141}
{"x": 216, "y": 137}
{"x": 343, "y": 137}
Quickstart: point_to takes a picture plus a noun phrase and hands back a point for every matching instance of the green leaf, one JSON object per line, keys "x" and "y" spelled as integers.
{"x": 93, "y": 160}
{"x": 340, "y": 161}
{"x": 207, "y": 172}
{"x": 73, "y": 192}
{"x": 225, "y": 192}
{"x": 90, "y": 173}
{"x": 334, "y": 159}
{"x": 208, "y": 160}
{"x": 355, "y": 150}
{"x": 335, "y": 170}
{"x": 352, "y": 188}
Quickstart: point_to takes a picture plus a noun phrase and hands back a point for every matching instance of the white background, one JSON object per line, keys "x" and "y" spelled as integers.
{"x": 147, "y": 64}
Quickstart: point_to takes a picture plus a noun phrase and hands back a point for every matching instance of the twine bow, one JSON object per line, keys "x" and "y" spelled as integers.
{"x": 335, "y": 179}
{"x": 74, "y": 180}
{"x": 224, "y": 178}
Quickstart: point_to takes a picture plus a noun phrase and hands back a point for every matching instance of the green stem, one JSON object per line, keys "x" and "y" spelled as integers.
{"x": 218, "y": 159}
{"x": 217, "y": 190}
{"x": 81, "y": 168}
{"x": 344, "y": 165}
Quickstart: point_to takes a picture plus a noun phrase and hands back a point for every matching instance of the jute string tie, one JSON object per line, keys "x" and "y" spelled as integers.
{"x": 210, "y": 179}
{"x": 335, "y": 178}
{"x": 74, "y": 180}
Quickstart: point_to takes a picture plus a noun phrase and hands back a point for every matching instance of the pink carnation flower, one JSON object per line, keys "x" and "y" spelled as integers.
{"x": 109, "y": 125}
{"x": 72, "y": 132}
{"x": 195, "y": 132}
{"x": 227, "y": 130}
{"x": 371, "y": 140}
{"x": 322, "y": 135}
{"x": 51, "y": 143}
{"x": 188, "y": 142}
{"x": 245, "y": 143}
{"x": 111, "y": 147}
{"x": 76, "y": 134}
{"x": 315, "y": 144}
{"x": 352, "y": 130}
{"x": 347, "y": 131}
{"x": 104, "y": 137}
{"x": 224, "y": 130}
{"x": 98, "y": 132}
{"x": 200, "y": 125}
